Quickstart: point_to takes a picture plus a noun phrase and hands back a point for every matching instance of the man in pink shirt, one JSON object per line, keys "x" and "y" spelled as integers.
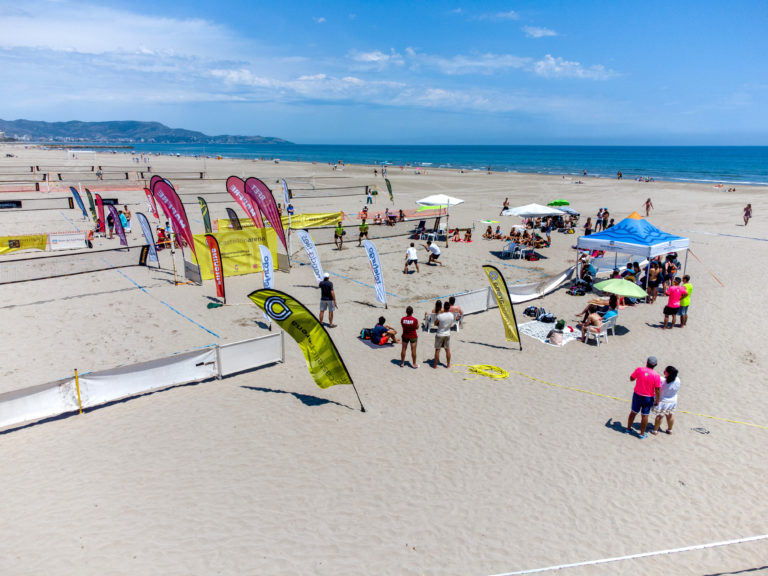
{"x": 675, "y": 293}
{"x": 647, "y": 394}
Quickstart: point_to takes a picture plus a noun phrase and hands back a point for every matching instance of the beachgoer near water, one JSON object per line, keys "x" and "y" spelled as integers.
{"x": 504, "y": 207}
{"x": 411, "y": 257}
{"x": 670, "y": 385}
{"x": 410, "y": 336}
{"x": 747, "y": 213}
{"x": 443, "y": 336}
{"x": 434, "y": 253}
{"x": 646, "y": 395}
{"x": 648, "y": 207}
{"x": 327, "y": 299}
{"x": 675, "y": 293}
{"x": 685, "y": 301}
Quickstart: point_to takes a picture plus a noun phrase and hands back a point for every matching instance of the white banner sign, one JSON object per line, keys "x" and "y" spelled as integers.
{"x": 378, "y": 273}
{"x": 267, "y": 266}
{"x": 309, "y": 247}
{"x": 67, "y": 241}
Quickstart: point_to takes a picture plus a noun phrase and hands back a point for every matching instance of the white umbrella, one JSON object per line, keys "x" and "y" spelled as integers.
{"x": 533, "y": 211}
{"x": 440, "y": 200}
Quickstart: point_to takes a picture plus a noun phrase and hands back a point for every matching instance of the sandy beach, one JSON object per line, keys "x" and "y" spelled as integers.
{"x": 445, "y": 473}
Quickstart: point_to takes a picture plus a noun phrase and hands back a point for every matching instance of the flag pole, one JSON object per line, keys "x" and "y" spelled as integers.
{"x": 362, "y": 408}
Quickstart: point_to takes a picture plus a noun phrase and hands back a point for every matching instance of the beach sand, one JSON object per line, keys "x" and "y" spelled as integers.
{"x": 266, "y": 473}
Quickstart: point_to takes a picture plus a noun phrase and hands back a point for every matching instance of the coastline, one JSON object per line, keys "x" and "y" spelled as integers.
{"x": 445, "y": 473}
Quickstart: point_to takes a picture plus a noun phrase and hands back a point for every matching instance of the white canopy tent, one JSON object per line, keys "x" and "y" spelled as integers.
{"x": 441, "y": 200}
{"x": 533, "y": 211}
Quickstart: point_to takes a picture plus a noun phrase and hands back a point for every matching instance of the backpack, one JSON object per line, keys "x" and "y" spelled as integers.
{"x": 531, "y": 311}
{"x": 365, "y": 333}
{"x": 576, "y": 291}
{"x": 547, "y": 317}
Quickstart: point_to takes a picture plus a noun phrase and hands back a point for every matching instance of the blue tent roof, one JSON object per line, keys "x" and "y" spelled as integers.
{"x": 634, "y": 236}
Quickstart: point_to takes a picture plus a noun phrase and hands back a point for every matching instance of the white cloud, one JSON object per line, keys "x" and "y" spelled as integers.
{"x": 467, "y": 64}
{"x": 377, "y": 58}
{"x": 551, "y": 67}
{"x": 536, "y": 32}
{"x": 319, "y": 19}
{"x": 498, "y": 16}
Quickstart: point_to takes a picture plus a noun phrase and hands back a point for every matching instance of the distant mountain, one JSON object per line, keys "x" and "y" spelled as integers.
{"x": 119, "y": 131}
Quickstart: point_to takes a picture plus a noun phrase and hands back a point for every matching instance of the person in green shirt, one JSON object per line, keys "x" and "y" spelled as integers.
{"x": 363, "y": 232}
{"x": 338, "y": 235}
{"x": 685, "y": 301}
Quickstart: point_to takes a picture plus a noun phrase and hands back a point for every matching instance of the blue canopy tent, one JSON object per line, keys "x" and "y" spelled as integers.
{"x": 635, "y": 236}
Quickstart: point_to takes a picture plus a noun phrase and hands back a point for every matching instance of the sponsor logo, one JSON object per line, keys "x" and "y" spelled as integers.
{"x": 276, "y": 308}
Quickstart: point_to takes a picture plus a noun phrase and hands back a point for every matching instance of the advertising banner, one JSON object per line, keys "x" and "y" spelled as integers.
{"x": 378, "y": 274}
{"x": 151, "y": 203}
{"x": 501, "y": 293}
{"x": 297, "y": 221}
{"x": 149, "y": 237}
{"x": 67, "y": 241}
{"x": 204, "y": 212}
{"x": 236, "y": 188}
{"x": 323, "y": 359}
{"x": 266, "y": 203}
{"x": 309, "y": 248}
{"x": 79, "y": 201}
{"x": 92, "y": 206}
{"x": 28, "y": 242}
{"x": 218, "y": 272}
{"x": 174, "y": 209}
{"x": 100, "y": 213}
{"x": 239, "y": 251}
{"x": 119, "y": 230}
{"x": 267, "y": 267}
{"x": 233, "y": 222}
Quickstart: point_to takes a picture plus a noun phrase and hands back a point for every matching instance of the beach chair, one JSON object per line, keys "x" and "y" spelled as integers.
{"x": 420, "y": 231}
{"x": 608, "y": 325}
{"x": 512, "y": 250}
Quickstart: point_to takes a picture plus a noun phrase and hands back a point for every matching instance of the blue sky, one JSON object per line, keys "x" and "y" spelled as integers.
{"x": 586, "y": 72}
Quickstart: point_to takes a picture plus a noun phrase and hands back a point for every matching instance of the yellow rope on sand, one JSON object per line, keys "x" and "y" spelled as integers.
{"x": 487, "y": 370}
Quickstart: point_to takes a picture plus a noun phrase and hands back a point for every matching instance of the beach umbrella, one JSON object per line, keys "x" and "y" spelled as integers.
{"x": 559, "y": 202}
{"x": 621, "y": 287}
{"x": 440, "y": 200}
{"x": 533, "y": 211}
{"x": 422, "y": 208}
{"x": 489, "y": 221}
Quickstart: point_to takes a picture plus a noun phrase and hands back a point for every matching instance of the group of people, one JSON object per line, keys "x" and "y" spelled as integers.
{"x": 125, "y": 221}
{"x": 653, "y": 393}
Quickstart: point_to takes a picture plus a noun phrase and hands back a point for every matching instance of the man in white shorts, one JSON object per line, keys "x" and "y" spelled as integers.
{"x": 411, "y": 257}
{"x": 443, "y": 336}
{"x": 434, "y": 253}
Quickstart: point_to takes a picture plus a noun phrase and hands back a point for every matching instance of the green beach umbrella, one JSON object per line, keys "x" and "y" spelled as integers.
{"x": 621, "y": 287}
{"x": 559, "y": 202}
{"x": 489, "y": 221}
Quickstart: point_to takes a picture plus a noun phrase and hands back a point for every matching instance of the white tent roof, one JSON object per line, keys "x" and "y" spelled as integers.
{"x": 439, "y": 200}
{"x": 533, "y": 211}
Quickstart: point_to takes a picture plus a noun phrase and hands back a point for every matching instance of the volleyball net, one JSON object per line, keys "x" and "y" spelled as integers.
{"x": 413, "y": 228}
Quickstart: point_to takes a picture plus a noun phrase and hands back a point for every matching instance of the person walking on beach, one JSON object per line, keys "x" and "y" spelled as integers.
{"x": 327, "y": 299}
{"x": 434, "y": 253}
{"x": 747, "y": 213}
{"x": 443, "y": 336}
{"x": 670, "y": 385}
{"x": 410, "y": 336}
{"x": 648, "y": 207}
{"x": 411, "y": 257}
{"x": 505, "y": 207}
{"x": 646, "y": 395}
{"x": 685, "y": 301}
{"x": 675, "y": 293}
{"x": 363, "y": 232}
{"x": 338, "y": 235}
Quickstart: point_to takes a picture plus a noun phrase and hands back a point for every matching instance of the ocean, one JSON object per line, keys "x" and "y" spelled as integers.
{"x": 732, "y": 165}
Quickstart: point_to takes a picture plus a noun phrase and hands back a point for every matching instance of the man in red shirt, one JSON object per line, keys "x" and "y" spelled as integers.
{"x": 410, "y": 335}
{"x": 647, "y": 394}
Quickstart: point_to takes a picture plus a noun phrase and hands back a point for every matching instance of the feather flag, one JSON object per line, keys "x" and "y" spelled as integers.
{"x": 100, "y": 210}
{"x": 378, "y": 275}
{"x": 501, "y": 293}
{"x": 206, "y": 216}
{"x": 118, "y": 225}
{"x": 236, "y": 188}
{"x": 234, "y": 221}
{"x": 309, "y": 248}
{"x": 266, "y": 203}
{"x": 218, "y": 269}
{"x": 151, "y": 203}
{"x": 164, "y": 193}
{"x": 145, "y": 228}
{"x": 79, "y": 201}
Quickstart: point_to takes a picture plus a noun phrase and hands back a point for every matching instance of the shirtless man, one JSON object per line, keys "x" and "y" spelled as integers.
{"x": 592, "y": 323}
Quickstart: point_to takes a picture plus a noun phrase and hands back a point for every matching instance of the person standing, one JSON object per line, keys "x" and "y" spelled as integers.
{"x": 676, "y": 292}
{"x": 363, "y": 232}
{"x": 327, "y": 299}
{"x": 410, "y": 336}
{"x": 670, "y": 385}
{"x": 685, "y": 301}
{"x": 588, "y": 227}
{"x": 747, "y": 213}
{"x": 368, "y": 196}
{"x": 110, "y": 224}
{"x": 128, "y": 215}
{"x": 411, "y": 257}
{"x": 646, "y": 395}
{"x": 505, "y": 207}
{"x": 443, "y": 336}
{"x": 648, "y": 207}
{"x": 434, "y": 253}
{"x": 338, "y": 235}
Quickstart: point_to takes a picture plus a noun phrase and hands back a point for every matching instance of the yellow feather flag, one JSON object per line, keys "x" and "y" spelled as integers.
{"x": 323, "y": 359}
{"x": 501, "y": 293}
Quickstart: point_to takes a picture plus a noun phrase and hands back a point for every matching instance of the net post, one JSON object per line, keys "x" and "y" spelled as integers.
{"x": 77, "y": 387}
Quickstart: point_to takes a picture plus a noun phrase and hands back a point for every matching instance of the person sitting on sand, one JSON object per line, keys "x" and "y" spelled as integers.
{"x": 488, "y": 233}
{"x": 497, "y": 235}
{"x": 381, "y": 333}
{"x": 468, "y": 235}
{"x": 377, "y": 218}
{"x": 456, "y": 236}
{"x": 591, "y": 323}
{"x": 538, "y": 241}
{"x": 401, "y": 216}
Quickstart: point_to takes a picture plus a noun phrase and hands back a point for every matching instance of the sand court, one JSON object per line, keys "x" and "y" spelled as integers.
{"x": 266, "y": 472}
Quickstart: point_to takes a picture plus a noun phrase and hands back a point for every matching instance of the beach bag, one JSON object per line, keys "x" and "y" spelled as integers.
{"x": 576, "y": 291}
{"x": 531, "y": 311}
{"x": 365, "y": 333}
{"x": 531, "y": 256}
{"x": 547, "y": 317}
